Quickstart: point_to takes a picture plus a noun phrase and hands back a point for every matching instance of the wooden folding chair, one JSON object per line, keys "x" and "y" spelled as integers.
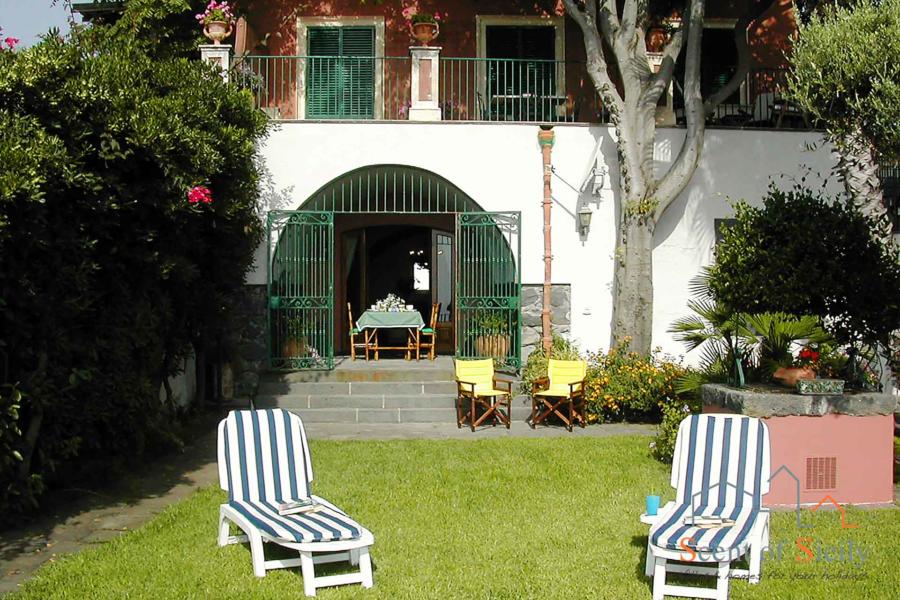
{"x": 431, "y": 332}
{"x": 477, "y": 387}
{"x": 562, "y": 388}
{"x": 368, "y": 337}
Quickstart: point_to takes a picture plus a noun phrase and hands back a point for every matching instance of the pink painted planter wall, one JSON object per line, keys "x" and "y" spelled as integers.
{"x": 862, "y": 449}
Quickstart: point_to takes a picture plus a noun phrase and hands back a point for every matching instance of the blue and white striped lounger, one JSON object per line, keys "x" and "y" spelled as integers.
{"x": 721, "y": 470}
{"x": 263, "y": 462}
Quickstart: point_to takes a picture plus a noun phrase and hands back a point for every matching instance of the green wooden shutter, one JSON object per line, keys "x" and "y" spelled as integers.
{"x": 322, "y": 73}
{"x": 358, "y": 46}
{"x": 340, "y": 81}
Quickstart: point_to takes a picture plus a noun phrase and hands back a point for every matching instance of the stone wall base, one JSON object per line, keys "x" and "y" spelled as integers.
{"x": 532, "y": 304}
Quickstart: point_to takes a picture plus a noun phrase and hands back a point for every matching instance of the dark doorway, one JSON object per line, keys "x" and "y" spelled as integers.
{"x": 412, "y": 259}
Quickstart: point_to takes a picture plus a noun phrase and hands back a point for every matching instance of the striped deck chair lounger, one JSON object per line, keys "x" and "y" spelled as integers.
{"x": 263, "y": 462}
{"x": 720, "y": 472}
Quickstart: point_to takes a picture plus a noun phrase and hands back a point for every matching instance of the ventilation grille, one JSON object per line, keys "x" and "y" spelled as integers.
{"x": 821, "y": 473}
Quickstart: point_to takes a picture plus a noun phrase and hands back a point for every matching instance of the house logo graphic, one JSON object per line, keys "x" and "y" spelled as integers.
{"x": 798, "y": 507}
{"x": 806, "y": 548}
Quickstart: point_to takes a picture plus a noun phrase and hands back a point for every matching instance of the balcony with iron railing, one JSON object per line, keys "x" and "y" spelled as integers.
{"x": 474, "y": 89}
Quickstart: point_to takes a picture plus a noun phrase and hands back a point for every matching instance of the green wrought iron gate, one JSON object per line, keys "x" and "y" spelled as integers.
{"x": 488, "y": 287}
{"x": 301, "y": 290}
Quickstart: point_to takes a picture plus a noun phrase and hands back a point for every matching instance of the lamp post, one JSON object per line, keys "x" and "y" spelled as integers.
{"x": 545, "y": 140}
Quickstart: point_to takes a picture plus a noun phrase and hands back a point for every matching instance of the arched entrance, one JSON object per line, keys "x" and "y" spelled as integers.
{"x": 392, "y": 229}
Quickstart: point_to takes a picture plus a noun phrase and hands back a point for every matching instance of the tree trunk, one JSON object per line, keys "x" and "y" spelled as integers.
{"x": 633, "y": 295}
{"x": 857, "y": 166}
{"x": 644, "y": 196}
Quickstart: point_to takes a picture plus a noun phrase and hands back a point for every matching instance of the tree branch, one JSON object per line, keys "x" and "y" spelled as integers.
{"x": 596, "y": 61}
{"x": 681, "y": 171}
{"x": 662, "y": 78}
{"x": 629, "y": 21}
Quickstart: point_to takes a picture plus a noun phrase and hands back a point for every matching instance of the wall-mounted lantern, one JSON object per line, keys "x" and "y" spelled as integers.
{"x": 584, "y": 219}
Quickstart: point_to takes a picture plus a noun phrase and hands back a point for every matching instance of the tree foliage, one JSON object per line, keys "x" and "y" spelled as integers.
{"x": 846, "y": 71}
{"x": 108, "y": 275}
{"x": 802, "y": 253}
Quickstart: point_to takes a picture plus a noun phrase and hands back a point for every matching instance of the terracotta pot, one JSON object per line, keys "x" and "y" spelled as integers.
{"x": 657, "y": 38}
{"x": 496, "y": 345}
{"x": 425, "y": 32}
{"x": 788, "y": 376}
{"x": 293, "y": 348}
{"x": 217, "y": 31}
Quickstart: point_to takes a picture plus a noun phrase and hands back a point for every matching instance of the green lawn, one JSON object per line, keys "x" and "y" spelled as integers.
{"x": 505, "y": 518}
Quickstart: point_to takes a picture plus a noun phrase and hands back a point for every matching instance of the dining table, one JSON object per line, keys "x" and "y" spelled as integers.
{"x": 410, "y": 320}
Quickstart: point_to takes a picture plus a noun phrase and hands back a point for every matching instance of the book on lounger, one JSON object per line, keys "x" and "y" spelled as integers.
{"x": 708, "y": 522}
{"x": 299, "y": 506}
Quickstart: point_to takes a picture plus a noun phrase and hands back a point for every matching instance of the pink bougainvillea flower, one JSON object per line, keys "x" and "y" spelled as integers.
{"x": 437, "y": 16}
{"x": 199, "y": 195}
{"x": 11, "y": 42}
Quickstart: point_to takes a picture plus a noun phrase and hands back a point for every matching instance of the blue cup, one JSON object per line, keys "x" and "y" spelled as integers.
{"x": 652, "y": 505}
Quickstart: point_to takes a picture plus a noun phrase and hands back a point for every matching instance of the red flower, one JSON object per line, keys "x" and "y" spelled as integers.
{"x": 199, "y": 195}
{"x": 808, "y": 355}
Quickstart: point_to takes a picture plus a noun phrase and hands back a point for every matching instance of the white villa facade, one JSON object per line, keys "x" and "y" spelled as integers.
{"x": 499, "y": 166}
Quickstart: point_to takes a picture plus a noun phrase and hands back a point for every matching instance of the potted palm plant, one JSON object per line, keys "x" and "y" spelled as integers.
{"x": 491, "y": 334}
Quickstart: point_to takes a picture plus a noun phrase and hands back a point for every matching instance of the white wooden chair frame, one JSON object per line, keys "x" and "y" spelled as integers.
{"x": 355, "y": 551}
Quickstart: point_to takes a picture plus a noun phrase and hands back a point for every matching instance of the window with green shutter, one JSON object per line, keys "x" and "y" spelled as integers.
{"x": 340, "y": 73}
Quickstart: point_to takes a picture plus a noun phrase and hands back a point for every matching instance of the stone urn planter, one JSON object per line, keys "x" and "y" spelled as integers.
{"x": 788, "y": 376}
{"x": 217, "y": 31}
{"x": 424, "y": 32}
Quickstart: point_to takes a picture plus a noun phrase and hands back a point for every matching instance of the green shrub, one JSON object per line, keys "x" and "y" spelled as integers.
{"x": 109, "y": 276}
{"x": 625, "y": 385}
{"x": 804, "y": 254}
{"x": 662, "y": 448}
{"x": 536, "y": 366}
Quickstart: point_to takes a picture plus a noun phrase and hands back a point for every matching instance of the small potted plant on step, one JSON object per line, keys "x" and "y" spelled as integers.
{"x": 217, "y": 20}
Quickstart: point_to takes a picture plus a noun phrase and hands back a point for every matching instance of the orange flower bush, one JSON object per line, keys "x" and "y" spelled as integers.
{"x": 624, "y": 385}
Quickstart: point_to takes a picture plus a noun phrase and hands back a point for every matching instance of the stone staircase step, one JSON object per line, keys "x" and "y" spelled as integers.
{"x": 364, "y": 388}
{"x": 405, "y": 373}
{"x": 356, "y": 401}
{"x": 389, "y": 415}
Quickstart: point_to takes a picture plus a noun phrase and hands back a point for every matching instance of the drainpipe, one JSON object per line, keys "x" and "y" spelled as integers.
{"x": 545, "y": 140}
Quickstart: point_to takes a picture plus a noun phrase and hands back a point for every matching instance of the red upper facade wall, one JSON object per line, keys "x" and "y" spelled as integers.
{"x": 272, "y": 25}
